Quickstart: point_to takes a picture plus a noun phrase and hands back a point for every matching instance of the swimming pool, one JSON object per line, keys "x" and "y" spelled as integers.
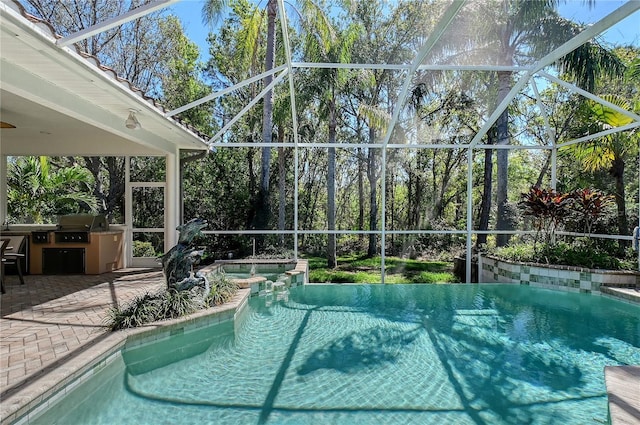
{"x": 374, "y": 354}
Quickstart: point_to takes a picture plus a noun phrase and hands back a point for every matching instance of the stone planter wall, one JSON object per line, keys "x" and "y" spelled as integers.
{"x": 566, "y": 278}
{"x": 297, "y": 276}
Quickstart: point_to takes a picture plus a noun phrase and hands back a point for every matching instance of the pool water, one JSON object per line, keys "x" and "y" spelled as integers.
{"x": 374, "y": 354}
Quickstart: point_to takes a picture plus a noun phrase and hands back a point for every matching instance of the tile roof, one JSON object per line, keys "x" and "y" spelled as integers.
{"x": 48, "y": 28}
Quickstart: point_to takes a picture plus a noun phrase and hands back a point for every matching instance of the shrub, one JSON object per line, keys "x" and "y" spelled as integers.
{"x": 222, "y": 289}
{"x": 580, "y": 253}
{"x": 143, "y": 249}
{"x": 177, "y": 304}
{"x": 548, "y": 209}
{"x": 590, "y": 205}
{"x": 149, "y": 308}
{"x": 522, "y": 252}
{"x": 141, "y": 310}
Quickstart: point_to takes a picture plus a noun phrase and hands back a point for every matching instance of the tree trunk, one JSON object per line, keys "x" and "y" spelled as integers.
{"x": 251, "y": 213}
{"x": 617, "y": 170}
{"x": 503, "y": 221}
{"x": 331, "y": 189}
{"x": 267, "y": 119}
{"x": 544, "y": 170}
{"x": 485, "y": 206}
{"x": 360, "y": 192}
{"x": 391, "y": 199}
{"x": 372, "y": 174}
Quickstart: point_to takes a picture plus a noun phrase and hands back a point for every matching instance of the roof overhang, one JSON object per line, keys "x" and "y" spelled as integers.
{"x": 63, "y": 103}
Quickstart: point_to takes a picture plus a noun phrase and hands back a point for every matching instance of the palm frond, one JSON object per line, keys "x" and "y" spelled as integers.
{"x": 212, "y": 11}
{"x": 609, "y": 116}
{"x": 594, "y": 156}
{"x": 589, "y": 62}
{"x": 375, "y": 116}
{"x": 251, "y": 25}
{"x": 531, "y": 10}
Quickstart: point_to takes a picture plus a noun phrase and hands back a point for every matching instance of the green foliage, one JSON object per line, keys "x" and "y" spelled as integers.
{"x": 149, "y": 308}
{"x": 589, "y": 205}
{"x": 143, "y": 249}
{"x": 170, "y": 304}
{"x": 183, "y": 83}
{"x": 177, "y": 304}
{"x": 428, "y": 277}
{"x": 38, "y": 192}
{"x": 550, "y": 209}
{"x": 358, "y": 269}
{"x": 522, "y": 252}
{"x": 272, "y": 251}
{"x": 579, "y": 253}
{"x": 141, "y": 310}
{"x": 222, "y": 289}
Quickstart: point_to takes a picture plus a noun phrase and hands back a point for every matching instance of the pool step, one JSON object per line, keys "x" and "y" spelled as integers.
{"x": 629, "y": 294}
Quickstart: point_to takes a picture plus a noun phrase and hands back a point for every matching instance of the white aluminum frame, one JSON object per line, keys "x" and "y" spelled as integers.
{"x": 288, "y": 69}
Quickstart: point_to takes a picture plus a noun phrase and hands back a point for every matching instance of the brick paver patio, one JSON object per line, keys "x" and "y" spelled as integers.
{"x": 51, "y": 320}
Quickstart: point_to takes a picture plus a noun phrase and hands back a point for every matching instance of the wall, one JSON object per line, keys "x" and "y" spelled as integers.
{"x": 567, "y": 278}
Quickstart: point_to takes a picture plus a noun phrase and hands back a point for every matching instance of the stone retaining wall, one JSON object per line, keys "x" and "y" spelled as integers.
{"x": 296, "y": 276}
{"x": 493, "y": 270}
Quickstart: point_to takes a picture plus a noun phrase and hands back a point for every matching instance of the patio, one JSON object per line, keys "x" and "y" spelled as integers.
{"x": 51, "y": 327}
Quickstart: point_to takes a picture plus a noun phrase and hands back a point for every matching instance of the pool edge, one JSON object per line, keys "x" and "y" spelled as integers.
{"x": 37, "y": 395}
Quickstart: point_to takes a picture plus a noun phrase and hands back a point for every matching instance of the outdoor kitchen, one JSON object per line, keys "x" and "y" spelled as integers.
{"x": 79, "y": 244}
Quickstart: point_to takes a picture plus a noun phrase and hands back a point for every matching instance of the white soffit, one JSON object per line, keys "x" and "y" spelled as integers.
{"x": 64, "y": 104}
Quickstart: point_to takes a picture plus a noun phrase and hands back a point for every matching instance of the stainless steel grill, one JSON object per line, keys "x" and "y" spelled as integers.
{"x": 77, "y": 228}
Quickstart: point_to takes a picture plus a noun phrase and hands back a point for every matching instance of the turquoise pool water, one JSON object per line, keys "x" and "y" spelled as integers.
{"x": 374, "y": 354}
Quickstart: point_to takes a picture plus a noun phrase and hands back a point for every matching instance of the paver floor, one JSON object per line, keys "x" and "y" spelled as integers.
{"x": 50, "y": 320}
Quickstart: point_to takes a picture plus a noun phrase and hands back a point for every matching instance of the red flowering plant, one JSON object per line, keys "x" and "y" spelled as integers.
{"x": 589, "y": 205}
{"x": 551, "y": 211}
{"x": 548, "y": 209}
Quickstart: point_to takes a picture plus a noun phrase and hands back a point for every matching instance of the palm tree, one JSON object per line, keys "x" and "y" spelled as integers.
{"x": 38, "y": 193}
{"x": 611, "y": 151}
{"x": 526, "y": 30}
{"x": 212, "y": 10}
{"x": 332, "y": 47}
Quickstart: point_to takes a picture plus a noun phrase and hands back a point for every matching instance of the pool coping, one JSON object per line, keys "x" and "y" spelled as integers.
{"x": 623, "y": 394}
{"x": 29, "y": 402}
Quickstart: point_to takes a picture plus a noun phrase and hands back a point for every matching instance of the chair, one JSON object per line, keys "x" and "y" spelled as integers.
{"x": 11, "y": 257}
{"x": 3, "y": 247}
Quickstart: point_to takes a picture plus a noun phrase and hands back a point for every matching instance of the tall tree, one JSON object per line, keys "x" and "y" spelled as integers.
{"x": 138, "y": 50}
{"x": 333, "y": 47}
{"x": 311, "y": 12}
{"x": 389, "y": 40}
{"x": 518, "y": 32}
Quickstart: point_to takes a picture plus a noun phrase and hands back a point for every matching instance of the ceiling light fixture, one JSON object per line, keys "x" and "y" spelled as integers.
{"x": 132, "y": 122}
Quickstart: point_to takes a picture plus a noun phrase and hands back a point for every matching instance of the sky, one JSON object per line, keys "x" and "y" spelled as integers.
{"x": 625, "y": 32}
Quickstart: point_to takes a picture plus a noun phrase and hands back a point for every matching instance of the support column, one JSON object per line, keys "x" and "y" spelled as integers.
{"x": 3, "y": 189}
{"x": 171, "y": 200}
{"x": 128, "y": 214}
{"x": 469, "y": 254}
